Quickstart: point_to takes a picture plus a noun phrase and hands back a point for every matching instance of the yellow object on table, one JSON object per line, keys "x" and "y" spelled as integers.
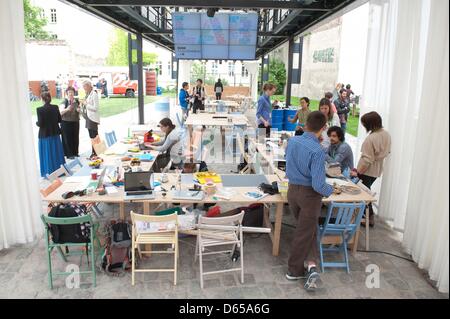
{"x": 204, "y": 177}
{"x": 134, "y": 150}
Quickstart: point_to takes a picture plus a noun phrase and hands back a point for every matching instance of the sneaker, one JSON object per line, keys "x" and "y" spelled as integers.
{"x": 313, "y": 281}
{"x": 292, "y": 277}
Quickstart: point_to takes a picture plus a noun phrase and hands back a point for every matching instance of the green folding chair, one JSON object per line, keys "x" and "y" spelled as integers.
{"x": 90, "y": 247}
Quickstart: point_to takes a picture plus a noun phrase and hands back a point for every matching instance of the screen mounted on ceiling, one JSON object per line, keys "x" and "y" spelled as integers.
{"x": 226, "y": 36}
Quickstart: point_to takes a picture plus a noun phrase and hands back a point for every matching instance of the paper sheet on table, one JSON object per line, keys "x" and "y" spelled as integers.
{"x": 338, "y": 181}
{"x": 78, "y": 179}
{"x": 111, "y": 190}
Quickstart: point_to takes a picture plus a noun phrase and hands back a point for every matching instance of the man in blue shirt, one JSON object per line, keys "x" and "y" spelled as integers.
{"x": 183, "y": 99}
{"x": 305, "y": 169}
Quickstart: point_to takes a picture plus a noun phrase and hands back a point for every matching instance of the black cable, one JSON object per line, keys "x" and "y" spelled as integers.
{"x": 387, "y": 253}
{"x": 369, "y": 251}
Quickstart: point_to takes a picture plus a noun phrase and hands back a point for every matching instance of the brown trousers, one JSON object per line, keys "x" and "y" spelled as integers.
{"x": 305, "y": 204}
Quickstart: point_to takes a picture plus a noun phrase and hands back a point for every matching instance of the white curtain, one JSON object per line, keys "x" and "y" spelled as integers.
{"x": 20, "y": 202}
{"x": 406, "y": 81}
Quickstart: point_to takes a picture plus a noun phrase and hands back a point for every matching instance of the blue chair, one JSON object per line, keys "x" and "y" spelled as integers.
{"x": 70, "y": 166}
{"x": 343, "y": 219}
{"x": 110, "y": 138}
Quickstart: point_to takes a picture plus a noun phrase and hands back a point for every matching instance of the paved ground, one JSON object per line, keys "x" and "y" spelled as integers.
{"x": 23, "y": 269}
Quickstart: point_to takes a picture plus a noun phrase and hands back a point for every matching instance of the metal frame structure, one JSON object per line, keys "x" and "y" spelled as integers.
{"x": 279, "y": 21}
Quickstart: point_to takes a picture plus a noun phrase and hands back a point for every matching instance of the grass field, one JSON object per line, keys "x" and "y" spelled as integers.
{"x": 352, "y": 123}
{"x": 111, "y": 106}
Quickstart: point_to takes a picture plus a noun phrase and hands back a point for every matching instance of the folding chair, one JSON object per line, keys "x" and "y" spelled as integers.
{"x": 140, "y": 236}
{"x": 100, "y": 147}
{"x": 61, "y": 171}
{"x": 70, "y": 166}
{"x": 246, "y": 157}
{"x": 89, "y": 246}
{"x": 343, "y": 219}
{"x": 219, "y": 231}
{"x": 110, "y": 138}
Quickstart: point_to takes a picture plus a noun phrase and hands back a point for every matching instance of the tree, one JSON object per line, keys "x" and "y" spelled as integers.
{"x": 118, "y": 51}
{"x": 198, "y": 71}
{"x": 277, "y": 74}
{"x": 34, "y": 22}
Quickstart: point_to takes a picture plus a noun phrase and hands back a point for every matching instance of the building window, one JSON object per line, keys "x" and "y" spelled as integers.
{"x": 53, "y": 16}
{"x": 230, "y": 69}
{"x": 54, "y": 36}
{"x": 244, "y": 72}
{"x": 214, "y": 68}
{"x": 159, "y": 67}
{"x": 42, "y": 13}
{"x": 169, "y": 68}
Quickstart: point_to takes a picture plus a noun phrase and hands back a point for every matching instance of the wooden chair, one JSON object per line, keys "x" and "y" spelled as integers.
{"x": 247, "y": 169}
{"x": 143, "y": 237}
{"x": 100, "y": 148}
{"x": 50, "y": 245}
{"x": 220, "y": 231}
{"x": 61, "y": 171}
{"x": 343, "y": 219}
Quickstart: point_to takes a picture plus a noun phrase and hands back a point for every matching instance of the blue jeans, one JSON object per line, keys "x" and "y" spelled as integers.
{"x": 344, "y": 127}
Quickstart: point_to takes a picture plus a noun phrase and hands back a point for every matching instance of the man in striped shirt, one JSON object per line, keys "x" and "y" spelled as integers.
{"x": 305, "y": 169}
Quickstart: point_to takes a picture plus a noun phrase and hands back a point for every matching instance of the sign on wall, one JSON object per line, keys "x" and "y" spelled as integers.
{"x": 326, "y": 55}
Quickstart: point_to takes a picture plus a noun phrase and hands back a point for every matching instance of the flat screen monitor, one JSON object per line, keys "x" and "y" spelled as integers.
{"x": 226, "y": 36}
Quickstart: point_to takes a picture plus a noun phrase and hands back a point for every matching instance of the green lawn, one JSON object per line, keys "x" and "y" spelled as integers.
{"x": 353, "y": 121}
{"x": 111, "y": 106}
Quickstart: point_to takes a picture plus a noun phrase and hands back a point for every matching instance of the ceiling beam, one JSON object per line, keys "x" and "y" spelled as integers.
{"x": 229, "y": 4}
{"x": 137, "y": 16}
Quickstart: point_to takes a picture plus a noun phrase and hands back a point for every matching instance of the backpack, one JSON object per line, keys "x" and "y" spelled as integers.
{"x": 76, "y": 233}
{"x": 117, "y": 254}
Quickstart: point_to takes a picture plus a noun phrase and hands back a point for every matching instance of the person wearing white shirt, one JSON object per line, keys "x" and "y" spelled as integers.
{"x": 332, "y": 120}
{"x": 90, "y": 111}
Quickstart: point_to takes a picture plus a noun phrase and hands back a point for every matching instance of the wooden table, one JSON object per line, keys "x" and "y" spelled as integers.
{"x": 220, "y": 120}
{"x": 233, "y": 105}
{"x": 237, "y": 198}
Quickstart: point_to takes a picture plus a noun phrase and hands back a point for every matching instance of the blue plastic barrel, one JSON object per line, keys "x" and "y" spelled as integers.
{"x": 277, "y": 126}
{"x": 158, "y": 90}
{"x": 288, "y": 126}
{"x": 277, "y": 119}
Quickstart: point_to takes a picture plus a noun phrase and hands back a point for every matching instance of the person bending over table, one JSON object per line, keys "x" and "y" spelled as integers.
{"x": 170, "y": 147}
{"x": 339, "y": 151}
{"x": 264, "y": 109}
{"x": 375, "y": 148}
{"x": 301, "y": 116}
{"x": 305, "y": 169}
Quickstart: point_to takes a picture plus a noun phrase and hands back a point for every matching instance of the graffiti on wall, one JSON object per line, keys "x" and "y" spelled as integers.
{"x": 326, "y": 55}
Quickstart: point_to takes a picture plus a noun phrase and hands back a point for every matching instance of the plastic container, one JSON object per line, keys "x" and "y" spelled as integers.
{"x": 288, "y": 126}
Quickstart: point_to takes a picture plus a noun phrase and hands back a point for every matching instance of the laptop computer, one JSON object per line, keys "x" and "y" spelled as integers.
{"x": 137, "y": 186}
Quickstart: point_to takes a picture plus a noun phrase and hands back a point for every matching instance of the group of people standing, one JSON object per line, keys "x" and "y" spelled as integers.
{"x": 59, "y": 126}
{"x": 196, "y": 98}
{"x": 320, "y": 139}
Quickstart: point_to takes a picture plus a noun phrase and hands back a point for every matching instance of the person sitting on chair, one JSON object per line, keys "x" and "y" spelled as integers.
{"x": 339, "y": 151}
{"x": 170, "y": 147}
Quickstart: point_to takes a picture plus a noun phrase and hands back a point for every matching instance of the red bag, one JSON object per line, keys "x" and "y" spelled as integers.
{"x": 213, "y": 212}
{"x": 148, "y": 137}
